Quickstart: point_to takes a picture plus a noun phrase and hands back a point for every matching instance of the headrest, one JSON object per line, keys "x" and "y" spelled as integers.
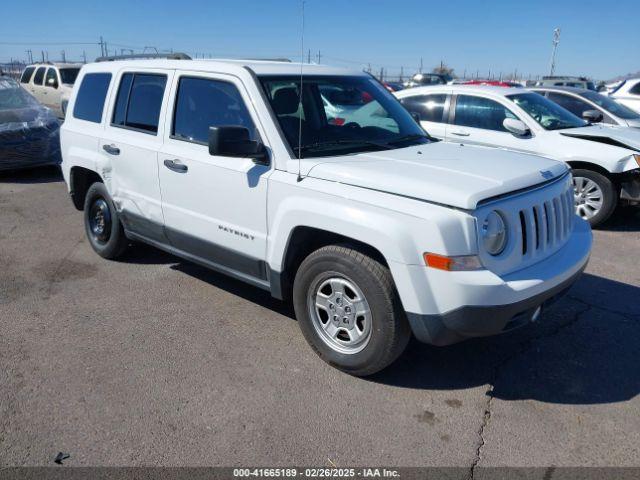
{"x": 286, "y": 101}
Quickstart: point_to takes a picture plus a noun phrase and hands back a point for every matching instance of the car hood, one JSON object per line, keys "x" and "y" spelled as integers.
{"x": 443, "y": 173}
{"x": 633, "y": 123}
{"x": 617, "y": 136}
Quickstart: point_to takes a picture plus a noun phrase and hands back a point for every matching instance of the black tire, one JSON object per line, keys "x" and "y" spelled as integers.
{"x": 389, "y": 329}
{"x": 610, "y": 195}
{"x": 110, "y": 242}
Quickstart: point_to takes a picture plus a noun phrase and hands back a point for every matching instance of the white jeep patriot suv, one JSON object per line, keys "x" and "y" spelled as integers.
{"x": 370, "y": 227}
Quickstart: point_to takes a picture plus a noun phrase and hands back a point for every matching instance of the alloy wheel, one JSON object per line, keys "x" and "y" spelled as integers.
{"x": 588, "y": 197}
{"x": 340, "y": 314}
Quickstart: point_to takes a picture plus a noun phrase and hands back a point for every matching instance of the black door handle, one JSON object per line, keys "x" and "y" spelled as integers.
{"x": 111, "y": 149}
{"x": 176, "y": 166}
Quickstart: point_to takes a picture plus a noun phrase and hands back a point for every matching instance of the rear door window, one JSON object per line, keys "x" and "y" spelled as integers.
{"x": 430, "y": 108}
{"x": 26, "y": 75}
{"x": 38, "y": 79}
{"x": 89, "y": 102}
{"x": 139, "y": 101}
{"x": 479, "y": 112}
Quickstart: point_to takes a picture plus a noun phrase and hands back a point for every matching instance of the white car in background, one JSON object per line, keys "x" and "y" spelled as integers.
{"x": 628, "y": 93}
{"x": 591, "y": 106}
{"x": 605, "y": 159}
{"x": 51, "y": 84}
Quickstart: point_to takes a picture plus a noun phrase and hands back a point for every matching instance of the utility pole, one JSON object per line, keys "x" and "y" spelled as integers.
{"x": 42, "y": 52}
{"x": 30, "y": 55}
{"x": 401, "y": 74}
{"x": 381, "y": 74}
{"x": 84, "y": 56}
{"x": 64, "y": 57}
{"x": 555, "y": 42}
{"x": 420, "y": 65}
{"x": 309, "y": 56}
{"x": 319, "y": 57}
{"x": 102, "y": 54}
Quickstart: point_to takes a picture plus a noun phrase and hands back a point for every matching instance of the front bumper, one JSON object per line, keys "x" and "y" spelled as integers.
{"x": 489, "y": 304}
{"x": 630, "y": 186}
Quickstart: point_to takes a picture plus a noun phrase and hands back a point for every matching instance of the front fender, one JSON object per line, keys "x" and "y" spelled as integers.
{"x": 400, "y": 229}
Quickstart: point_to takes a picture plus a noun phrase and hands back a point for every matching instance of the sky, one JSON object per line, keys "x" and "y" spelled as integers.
{"x": 598, "y": 39}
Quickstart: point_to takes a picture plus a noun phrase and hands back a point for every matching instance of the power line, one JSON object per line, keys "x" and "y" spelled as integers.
{"x": 49, "y": 43}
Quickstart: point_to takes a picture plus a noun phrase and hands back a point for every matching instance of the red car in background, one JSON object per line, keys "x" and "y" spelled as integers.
{"x": 493, "y": 83}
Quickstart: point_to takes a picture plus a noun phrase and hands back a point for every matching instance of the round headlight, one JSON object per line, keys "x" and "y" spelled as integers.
{"x": 494, "y": 233}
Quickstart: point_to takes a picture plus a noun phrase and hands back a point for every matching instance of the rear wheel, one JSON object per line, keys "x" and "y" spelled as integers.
{"x": 349, "y": 311}
{"x": 102, "y": 224}
{"x": 595, "y": 196}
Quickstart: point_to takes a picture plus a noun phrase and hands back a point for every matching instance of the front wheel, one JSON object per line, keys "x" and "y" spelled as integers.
{"x": 595, "y": 196}
{"x": 349, "y": 311}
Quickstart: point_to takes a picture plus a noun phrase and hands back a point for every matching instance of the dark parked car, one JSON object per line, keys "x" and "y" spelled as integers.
{"x": 29, "y": 132}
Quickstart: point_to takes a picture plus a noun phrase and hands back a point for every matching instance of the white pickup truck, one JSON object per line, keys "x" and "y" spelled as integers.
{"x": 370, "y": 227}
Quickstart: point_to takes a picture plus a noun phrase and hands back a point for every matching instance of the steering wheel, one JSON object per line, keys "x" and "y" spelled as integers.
{"x": 538, "y": 117}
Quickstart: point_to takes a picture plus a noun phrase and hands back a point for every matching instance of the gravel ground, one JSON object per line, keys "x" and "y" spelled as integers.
{"x": 155, "y": 361}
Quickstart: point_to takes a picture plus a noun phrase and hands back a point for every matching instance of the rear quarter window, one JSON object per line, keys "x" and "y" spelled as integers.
{"x": 91, "y": 95}
{"x": 26, "y": 75}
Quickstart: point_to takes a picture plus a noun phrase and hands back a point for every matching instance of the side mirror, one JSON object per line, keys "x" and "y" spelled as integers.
{"x": 235, "y": 141}
{"x": 516, "y": 127}
{"x": 592, "y": 116}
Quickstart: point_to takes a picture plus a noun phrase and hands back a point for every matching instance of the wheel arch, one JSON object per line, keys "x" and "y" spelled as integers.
{"x": 80, "y": 179}
{"x": 302, "y": 241}
{"x": 584, "y": 165}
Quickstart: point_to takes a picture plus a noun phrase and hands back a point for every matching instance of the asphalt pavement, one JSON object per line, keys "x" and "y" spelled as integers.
{"x": 155, "y": 361}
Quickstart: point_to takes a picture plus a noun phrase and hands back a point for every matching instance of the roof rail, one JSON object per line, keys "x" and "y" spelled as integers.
{"x": 170, "y": 56}
{"x": 277, "y": 59}
{"x": 561, "y": 77}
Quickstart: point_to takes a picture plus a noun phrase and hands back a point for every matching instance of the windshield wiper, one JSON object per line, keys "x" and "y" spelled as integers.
{"x": 344, "y": 141}
{"x": 565, "y": 126}
{"x": 407, "y": 138}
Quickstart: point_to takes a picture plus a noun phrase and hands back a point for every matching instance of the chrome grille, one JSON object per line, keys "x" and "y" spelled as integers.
{"x": 544, "y": 226}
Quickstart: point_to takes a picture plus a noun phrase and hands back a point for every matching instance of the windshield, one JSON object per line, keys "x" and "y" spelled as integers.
{"x": 68, "y": 75}
{"x": 612, "y": 106}
{"x": 13, "y": 97}
{"x": 549, "y": 115}
{"x": 339, "y": 115}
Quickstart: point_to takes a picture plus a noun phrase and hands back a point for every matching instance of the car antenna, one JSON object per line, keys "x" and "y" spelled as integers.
{"x": 300, "y": 95}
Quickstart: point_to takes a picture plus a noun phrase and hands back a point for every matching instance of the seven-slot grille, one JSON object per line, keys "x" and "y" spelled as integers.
{"x": 546, "y": 225}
